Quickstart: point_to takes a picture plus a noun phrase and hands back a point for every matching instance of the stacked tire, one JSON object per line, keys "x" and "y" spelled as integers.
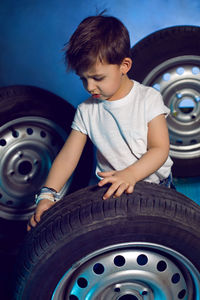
{"x": 169, "y": 61}
{"x": 143, "y": 245}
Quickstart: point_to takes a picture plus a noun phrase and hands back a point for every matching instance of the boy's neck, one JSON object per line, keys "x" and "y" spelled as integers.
{"x": 124, "y": 90}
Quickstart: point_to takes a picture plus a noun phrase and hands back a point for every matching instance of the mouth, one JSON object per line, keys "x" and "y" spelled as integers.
{"x": 96, "y": 96}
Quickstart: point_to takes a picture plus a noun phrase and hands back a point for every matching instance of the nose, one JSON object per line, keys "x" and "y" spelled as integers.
{"x": 90, "y": 85}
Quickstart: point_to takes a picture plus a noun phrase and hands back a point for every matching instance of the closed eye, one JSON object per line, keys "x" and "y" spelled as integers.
{"x": 94, "y": 78}
{"x": 98, "y": 78}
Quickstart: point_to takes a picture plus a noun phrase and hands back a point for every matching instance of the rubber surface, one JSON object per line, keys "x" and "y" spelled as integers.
{"x": 24, "y": 101}
{"x": 162, "y": 45}
{"x": 82, "y": 223}
{"x": 157, "y": 48}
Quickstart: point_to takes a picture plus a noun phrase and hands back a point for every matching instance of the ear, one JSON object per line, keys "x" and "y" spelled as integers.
{"x": 126, "y": 65}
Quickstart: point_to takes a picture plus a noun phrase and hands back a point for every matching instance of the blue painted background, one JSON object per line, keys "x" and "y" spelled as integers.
{"x": 33, "y": 33}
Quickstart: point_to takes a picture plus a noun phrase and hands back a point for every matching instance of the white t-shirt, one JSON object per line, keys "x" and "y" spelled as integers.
{"x": 119, "y": 128}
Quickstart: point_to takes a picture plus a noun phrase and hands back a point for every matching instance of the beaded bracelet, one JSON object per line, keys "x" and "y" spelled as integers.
{"x": 49, "y": 189}
{"x": 47, "y": 193}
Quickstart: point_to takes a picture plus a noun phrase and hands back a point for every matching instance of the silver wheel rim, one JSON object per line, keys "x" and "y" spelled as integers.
{"x": 178, "y": 79}
{"x": 131, "y": 271}
{"x": 28, "y": 146}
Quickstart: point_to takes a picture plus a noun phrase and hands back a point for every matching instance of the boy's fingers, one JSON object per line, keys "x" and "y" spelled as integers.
{"x": 117, "y": 189}
{"x": 106, "y": 174}
{"x": 120, "y": 190}
{"x": 106, "y": 180}
{"x": 37, "y": 215}
{"x": 130, "y": 189}
{"x": 111, "y": 190}
{"x": 31, "y": 223}
{"x": 41, "y": 208}
{"x": 35, "y": 219}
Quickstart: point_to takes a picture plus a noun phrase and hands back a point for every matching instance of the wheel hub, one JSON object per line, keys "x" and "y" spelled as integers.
{"x": 20, "y": 166}
{"x": 130, "y": 271}
{"x": 178, "y": 79}
{"x": 135, "y": 272}
{"x": 128, "y": 290}
{"x": 28, "y": 146}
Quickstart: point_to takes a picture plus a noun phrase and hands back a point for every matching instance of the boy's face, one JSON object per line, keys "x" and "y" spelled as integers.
{"x": 104, "y": 81}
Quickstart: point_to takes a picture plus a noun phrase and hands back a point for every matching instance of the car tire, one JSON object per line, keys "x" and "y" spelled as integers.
{"x": 169, "y": 61}
{"x": 143, "y": 245}
{"x": 34, "y": 124}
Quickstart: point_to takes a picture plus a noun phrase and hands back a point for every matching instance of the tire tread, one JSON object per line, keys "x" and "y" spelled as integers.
{"x": 81, "y": 211}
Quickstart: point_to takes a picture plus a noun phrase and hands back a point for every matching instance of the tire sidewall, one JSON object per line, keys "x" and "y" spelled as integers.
{"x": 139, "y": 230}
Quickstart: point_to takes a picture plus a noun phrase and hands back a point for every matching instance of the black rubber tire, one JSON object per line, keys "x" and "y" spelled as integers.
{"x": 19, "y": 101}
{"x": 24, "y": 101}
{"x": 154, "y": 50}
{"x": 28, "y": 101}
{"x": 82, "y": 223}
{"x": 162, "y": 45}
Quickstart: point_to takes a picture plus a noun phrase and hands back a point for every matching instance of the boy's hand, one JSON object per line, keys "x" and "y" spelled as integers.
{"x": 121, "y": 181}
{"x": 41, "y": 207}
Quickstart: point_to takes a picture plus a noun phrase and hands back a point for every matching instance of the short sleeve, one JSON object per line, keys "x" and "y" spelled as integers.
{"x": 78, "y": 122}
{"x": 155, "y": 105}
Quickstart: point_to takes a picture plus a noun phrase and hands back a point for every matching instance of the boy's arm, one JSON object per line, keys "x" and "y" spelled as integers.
{"x": 66, "y": 161}
{"x": 61, "y": 170}
{"x": 152, "y": 160}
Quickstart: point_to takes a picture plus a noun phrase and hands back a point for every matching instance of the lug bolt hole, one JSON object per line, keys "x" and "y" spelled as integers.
{"x": 161, "y": 266}
{"x": 15, "y": 133}
{"x": 2, "y": 142}
{"x": 43, "y": 134}
{"x": 82, "y": 282}
{"x": 176, "y": 278}
{"x": 98, "y": 268}
{"x": 144, "y": 293}
{"x": 182, "y": 294}
{"x": 142, "y": 260}
{"x": 29, "y": 131}
{"x": 119, "y": 260}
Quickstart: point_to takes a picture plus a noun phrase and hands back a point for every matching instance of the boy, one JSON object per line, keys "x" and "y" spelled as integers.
{"x": 124, "y": 119}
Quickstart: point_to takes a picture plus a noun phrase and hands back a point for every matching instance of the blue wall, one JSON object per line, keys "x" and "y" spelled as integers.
{"x": 33, "y": 32}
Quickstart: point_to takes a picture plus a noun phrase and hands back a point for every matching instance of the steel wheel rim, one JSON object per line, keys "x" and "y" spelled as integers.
{"x": 178, "y": 79}
{"x": 28, "y": 146}
{"x": 131, "y": 271}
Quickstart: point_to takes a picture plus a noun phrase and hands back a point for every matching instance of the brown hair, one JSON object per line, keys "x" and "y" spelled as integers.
{"x": 97, "y": 37}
